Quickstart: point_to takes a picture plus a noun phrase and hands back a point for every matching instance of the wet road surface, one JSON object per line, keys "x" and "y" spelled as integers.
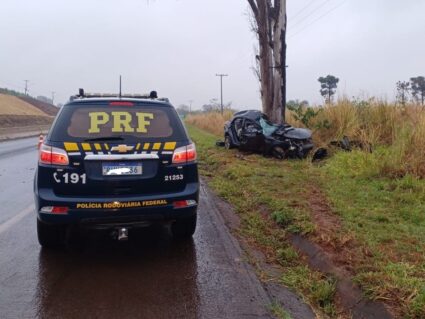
{"x": 151, "y": 276}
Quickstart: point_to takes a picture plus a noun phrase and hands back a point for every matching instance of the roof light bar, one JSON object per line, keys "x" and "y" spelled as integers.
{"x": 153, "y": 95}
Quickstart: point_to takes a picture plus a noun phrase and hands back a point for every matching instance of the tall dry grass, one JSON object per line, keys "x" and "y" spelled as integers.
{"x": 212, "y": 122}
{"x": 397, "y": 134}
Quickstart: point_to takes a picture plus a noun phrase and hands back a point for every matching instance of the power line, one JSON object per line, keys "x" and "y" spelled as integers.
{"x": 310, "y": 14}
{"x": 319, "y": 18}
{"x": 302, "y": 10}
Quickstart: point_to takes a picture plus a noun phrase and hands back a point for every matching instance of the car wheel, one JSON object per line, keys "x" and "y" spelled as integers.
{"x": 278, "y": 152}
{"x": 184, "y": 228}
{"x": 228, "y": 142}
{"x": 50, "y": 236}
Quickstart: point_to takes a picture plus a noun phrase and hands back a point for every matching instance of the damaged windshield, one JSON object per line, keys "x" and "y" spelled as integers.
{"x": 268, "y": 128}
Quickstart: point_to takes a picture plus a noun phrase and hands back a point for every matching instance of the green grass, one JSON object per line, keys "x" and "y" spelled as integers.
{"x": 385, "y": 217}
{"x": 279, "y": 312}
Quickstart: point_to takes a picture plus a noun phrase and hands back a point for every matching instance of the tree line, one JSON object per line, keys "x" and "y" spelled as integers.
{"x": 413, "y": 90}
{"x": 407, "y": 91}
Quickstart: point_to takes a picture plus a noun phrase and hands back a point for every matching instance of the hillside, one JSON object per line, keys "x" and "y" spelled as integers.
{"x": 12, "y": 105}
{"x": 15, "y": 112}
{"x": 47, "y": 108}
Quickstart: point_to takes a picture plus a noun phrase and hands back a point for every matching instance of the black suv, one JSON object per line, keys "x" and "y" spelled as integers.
{"x": 116, "y": 163}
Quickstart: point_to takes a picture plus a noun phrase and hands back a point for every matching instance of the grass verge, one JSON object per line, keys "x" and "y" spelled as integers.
{"x": 380, "y": 235}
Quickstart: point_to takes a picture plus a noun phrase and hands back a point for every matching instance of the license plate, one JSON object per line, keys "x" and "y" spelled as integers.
{"x": 119, "y": 169}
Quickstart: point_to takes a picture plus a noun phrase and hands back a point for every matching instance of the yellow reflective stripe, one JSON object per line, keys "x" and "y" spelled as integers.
{"x": 86, "y": 146}
{"x": 156, "y": 146}
{"x": 98, "y": 147}
{"x": 106, "y": 146}
{"x": 170, "y": 146}
{"x": 146, "y": 146}
{"x": 71, "y": 147}
{"x": 138, "y": 147}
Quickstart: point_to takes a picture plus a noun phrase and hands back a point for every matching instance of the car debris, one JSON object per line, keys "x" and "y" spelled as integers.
{"x": 251, "y": 130}
{"x": 344, "y": 144}
{"x": 347, "y": 145}
{"x": 220, "y": 144}
{"x": 320, "y": 154}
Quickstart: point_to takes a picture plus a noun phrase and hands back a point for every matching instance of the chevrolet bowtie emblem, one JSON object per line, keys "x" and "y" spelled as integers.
{"x": 122, "y": 148}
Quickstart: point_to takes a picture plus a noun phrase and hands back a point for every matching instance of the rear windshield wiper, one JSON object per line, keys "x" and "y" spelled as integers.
{"x": 106, "y": 138}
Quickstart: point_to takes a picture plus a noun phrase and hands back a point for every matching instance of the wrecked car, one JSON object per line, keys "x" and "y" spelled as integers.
{"x": 252, "y": 131}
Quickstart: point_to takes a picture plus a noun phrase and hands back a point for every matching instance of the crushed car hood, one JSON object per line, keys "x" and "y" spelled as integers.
{"x": 298, "y": 133}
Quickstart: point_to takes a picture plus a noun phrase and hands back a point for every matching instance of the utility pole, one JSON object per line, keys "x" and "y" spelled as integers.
{"x": 221, "y": 88}
{"x": 26, "y": 86}
{"x": 120, "y": 94}
{"x": 190, "y": 106}
{"x": 53, "y": 98}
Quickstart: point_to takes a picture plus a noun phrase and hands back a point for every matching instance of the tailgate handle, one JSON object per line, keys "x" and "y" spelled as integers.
{"x": 118, "y": 157}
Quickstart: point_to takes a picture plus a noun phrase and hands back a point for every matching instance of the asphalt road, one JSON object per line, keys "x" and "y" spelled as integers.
{"x": 151, "y": 276}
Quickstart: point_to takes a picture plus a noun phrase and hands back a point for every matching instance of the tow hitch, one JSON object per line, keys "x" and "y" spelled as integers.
{"x": 120, "y": 234}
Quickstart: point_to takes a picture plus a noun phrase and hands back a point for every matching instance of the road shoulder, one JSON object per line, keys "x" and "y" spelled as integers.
{"x": 278, "y": 299}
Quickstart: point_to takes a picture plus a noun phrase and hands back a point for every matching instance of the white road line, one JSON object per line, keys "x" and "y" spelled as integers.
{"x": 16, "y": 219}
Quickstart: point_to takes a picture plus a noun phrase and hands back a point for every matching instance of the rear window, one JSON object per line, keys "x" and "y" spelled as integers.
{"x": 138, "y": 122}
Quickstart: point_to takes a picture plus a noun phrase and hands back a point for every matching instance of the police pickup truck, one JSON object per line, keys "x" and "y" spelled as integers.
{"x": 115, "y": 163}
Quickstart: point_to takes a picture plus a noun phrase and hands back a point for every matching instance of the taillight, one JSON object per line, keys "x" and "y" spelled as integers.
{"x": 59, "y": 210}
{"x": 53, "y": 156}
{"x": 184, "y": 203}
{"x": 121, "y": 103}
{"x": 184, "y": 154}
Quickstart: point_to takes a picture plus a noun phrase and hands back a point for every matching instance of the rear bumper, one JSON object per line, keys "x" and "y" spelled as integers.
{"x": 110, "y": 211}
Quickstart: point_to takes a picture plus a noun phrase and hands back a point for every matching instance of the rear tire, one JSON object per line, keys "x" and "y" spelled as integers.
{"x": 184, "y": 228}
{"x": 50, "y": 236}
{"x": 228, "y": 142}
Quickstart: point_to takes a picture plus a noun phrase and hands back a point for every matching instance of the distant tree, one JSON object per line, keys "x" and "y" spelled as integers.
{"x": 215, "y": 106}
{"x": 418, "y": 89}
{"x": 403, "y": 91}
{"x": 183, "y": 109}
{"x": 328, "y": 86}
{"x": 295, "y": 104}
{"x": 10, "y": 92}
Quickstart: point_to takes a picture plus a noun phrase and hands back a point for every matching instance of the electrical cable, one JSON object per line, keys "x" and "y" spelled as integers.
{"x": 310, "y": 14}
{"x": 319, "y": 18}
{"x": 302, "y": 10}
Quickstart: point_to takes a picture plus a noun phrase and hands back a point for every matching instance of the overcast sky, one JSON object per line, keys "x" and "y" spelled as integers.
{"x": 177, "y": 46}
